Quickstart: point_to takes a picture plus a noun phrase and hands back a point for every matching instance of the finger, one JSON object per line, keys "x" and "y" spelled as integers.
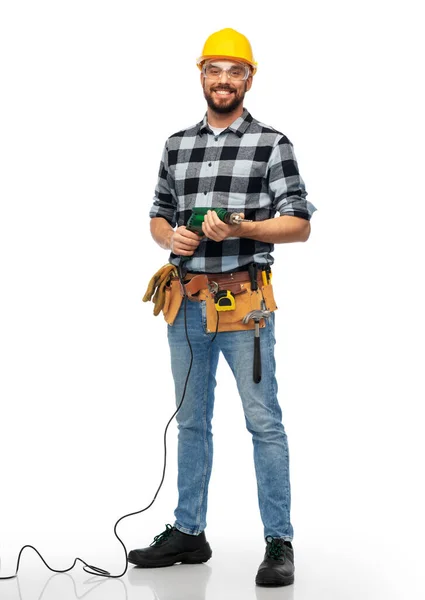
{"x": 210, "y": 232}
{"x": 214, "y": 219}
{"x": 187, "y": 234}
{"x": 215, "y": 223}
{"x": 186, "y": 241}
{"x": 183, "y": 250}
{"x": 207, "y": 228}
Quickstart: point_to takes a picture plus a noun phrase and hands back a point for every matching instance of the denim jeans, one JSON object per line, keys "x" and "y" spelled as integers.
{"x": 263, "y": 418}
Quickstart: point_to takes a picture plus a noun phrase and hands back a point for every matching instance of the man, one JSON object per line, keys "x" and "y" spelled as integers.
{"x": 228, "y": 160}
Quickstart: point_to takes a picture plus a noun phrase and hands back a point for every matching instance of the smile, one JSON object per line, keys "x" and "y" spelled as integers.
{"x": 223, "y": 92}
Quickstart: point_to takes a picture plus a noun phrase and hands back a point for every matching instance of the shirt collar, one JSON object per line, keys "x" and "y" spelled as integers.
{"x": 239, "y": 126}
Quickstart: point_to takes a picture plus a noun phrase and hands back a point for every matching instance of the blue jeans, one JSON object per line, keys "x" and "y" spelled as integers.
{"x": 263, "y": 417}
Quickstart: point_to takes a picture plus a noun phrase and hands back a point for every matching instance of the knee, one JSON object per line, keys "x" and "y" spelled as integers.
{"x": 264, "y": 426}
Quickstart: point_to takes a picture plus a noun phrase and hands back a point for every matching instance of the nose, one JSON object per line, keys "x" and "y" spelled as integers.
{"x": 225, "y": 73}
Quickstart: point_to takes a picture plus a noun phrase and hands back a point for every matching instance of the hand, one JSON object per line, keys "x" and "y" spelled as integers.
{"x": 184, "y": 242}
{"x": 215, "y": 229}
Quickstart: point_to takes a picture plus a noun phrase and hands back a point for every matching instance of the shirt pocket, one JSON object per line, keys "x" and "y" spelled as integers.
{"x": 186, "y": 180}
{"x": 249, "y": 168}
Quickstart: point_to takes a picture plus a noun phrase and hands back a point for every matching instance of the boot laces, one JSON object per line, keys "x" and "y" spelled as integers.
{"x": 275, "y": 547}
{"x": 162, "y": 536}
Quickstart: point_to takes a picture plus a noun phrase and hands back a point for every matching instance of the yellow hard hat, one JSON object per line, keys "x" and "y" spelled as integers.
{"x": 228, "y": 43}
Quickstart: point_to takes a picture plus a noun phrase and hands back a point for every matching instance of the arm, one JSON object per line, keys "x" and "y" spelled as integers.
{"x": 280, "y": 230}
{"x": 162, "y": 232}
{"x": 274, "y": 231}
{"x": 163, "y": 216}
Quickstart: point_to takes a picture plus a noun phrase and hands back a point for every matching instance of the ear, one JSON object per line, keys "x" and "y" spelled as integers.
{"x": 249, "y": 83}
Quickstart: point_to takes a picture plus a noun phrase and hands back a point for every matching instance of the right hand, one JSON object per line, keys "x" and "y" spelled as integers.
{"x": 184, "y": 242}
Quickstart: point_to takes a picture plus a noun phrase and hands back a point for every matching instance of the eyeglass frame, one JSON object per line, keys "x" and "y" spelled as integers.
{"x": 211, "y": 62}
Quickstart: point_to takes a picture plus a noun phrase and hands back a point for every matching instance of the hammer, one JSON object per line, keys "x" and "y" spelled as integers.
{"x": 256, "y": 315}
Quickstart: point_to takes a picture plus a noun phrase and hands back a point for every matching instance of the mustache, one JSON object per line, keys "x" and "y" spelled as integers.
{"x": 224, "y": 88}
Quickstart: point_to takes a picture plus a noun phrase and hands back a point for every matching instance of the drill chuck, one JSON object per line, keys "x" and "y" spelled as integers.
{"x": 234, "y": 219}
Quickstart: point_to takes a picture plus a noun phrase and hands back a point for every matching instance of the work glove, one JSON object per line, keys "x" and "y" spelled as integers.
{"x": 156, "y": 287}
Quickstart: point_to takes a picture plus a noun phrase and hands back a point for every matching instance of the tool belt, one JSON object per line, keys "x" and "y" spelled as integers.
{"x": 205, "y": 287}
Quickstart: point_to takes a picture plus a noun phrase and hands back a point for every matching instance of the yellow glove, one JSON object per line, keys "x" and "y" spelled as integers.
{"x": 157, "y": 285}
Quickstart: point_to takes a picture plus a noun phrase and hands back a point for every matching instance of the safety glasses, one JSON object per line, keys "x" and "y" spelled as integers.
{"x": 236, "y": 71}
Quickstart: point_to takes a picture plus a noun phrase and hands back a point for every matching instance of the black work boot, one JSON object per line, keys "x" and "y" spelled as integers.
{"x": 277, "y": 567}
{"x": 170, "y": 547}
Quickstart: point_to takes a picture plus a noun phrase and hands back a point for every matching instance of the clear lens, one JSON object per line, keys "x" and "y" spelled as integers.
{"x": 237, "y": 72}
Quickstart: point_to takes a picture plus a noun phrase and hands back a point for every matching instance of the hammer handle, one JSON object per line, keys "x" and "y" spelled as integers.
{"x": 257, "y": 360}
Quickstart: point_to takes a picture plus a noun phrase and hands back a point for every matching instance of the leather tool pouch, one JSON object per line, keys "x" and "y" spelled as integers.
{"x": 231, "y": 320}
{"x": 173, "y": 300}
{"x": 245, "y": 301}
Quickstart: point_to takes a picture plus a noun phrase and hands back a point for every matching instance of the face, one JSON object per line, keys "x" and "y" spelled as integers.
{"x": 224, "y": 94}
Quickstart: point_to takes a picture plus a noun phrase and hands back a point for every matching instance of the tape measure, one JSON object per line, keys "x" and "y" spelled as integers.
{"x": 224, "y": 300}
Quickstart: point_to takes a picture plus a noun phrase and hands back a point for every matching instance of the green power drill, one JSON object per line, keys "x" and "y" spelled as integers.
{"x": 198, "y": 213}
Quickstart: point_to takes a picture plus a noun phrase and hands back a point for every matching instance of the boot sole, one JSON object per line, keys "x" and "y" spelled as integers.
{"x": 192, "y": 558}
{"x": 275, "y": 583}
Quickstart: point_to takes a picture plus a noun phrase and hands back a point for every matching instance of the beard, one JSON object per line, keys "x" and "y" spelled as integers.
{"x": 228, "y": 106}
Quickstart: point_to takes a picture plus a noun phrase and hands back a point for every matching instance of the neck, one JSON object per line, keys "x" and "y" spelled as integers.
{"x": 223, "y": 120}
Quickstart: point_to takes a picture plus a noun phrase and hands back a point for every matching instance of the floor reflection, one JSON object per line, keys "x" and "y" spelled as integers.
{"x": 179, "y": 582}
{"x": 112, "y": 588}
{"x": 286, "y": 592}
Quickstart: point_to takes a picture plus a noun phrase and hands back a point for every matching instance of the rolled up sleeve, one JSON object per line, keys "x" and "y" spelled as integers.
{"x": 164, "y": 202}
{"x": 286, "y": 187}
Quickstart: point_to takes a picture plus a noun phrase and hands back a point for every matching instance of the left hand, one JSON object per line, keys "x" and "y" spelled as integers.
{"x": 214, "y": 228}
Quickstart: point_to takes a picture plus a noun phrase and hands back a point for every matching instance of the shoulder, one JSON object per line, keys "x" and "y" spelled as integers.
{"x": 267, "y": 133}
{"x": 174, "y": 140}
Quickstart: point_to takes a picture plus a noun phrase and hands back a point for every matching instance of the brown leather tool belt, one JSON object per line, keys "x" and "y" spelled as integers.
{"x": 204, "y": 287}
{"x": 234, "y": 282}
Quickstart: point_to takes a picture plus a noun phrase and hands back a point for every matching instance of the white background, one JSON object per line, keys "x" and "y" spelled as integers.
{"x": 90, "y": 90}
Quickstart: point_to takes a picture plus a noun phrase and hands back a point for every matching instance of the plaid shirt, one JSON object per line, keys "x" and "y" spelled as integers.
{"x": 249, "y": 167}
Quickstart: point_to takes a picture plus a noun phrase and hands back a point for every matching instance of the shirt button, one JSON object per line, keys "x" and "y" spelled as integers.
{"x": 216, "y": 139}
{"x": 205, "y": 193}
{"x": 210, "y": 164}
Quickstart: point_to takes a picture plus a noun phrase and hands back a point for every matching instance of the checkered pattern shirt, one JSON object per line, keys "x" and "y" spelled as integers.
{"x": 249, "y": 167}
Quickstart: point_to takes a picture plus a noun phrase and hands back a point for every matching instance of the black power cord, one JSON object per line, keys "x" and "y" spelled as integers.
{"x": 97, "y": 570}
